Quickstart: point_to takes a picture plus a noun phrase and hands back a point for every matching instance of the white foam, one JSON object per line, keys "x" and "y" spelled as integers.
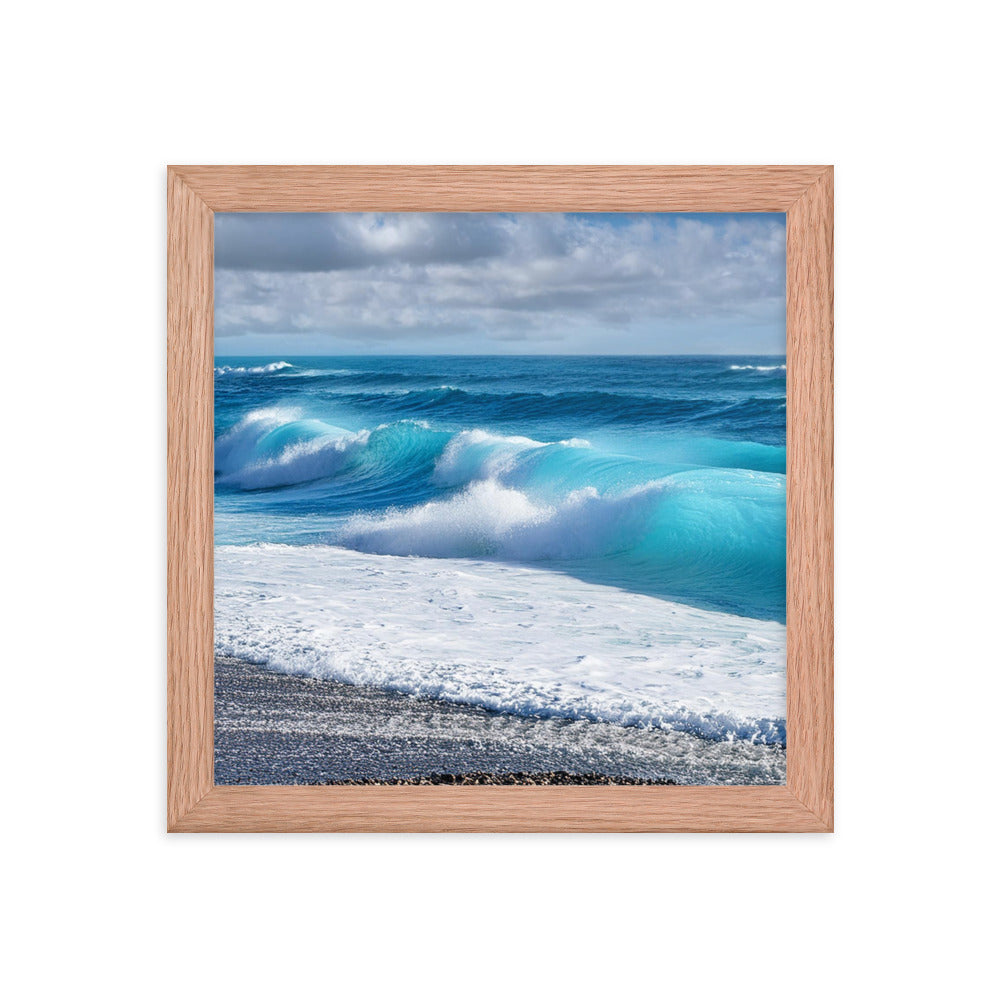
{"x": 274, "y": 366}
{"x": 478, "y": 454}
{"x": 505, "y": 637}
{"x": 758, "y": 368}
{"x": 489, "y": 519}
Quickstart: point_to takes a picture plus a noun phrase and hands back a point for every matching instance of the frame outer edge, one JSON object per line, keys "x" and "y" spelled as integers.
{"x": 805, "y": 194}
{"x": 810, "y": 499}
{"x": 190, "y": 724}
{"x": 399, "y": 809}
{"x": 506, "y": 188}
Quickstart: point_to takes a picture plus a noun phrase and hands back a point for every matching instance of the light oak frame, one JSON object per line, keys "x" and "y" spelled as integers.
{"x": 195, "y": 193}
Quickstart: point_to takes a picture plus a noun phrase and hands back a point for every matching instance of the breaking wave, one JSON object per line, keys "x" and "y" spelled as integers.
{"x": 407, "y": 488}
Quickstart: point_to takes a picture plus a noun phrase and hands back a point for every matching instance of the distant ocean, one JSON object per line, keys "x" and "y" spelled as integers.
{"x": 588, "y": 537}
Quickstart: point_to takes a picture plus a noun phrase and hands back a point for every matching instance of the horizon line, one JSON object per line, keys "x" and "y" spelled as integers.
{"x": 580, "y": 354}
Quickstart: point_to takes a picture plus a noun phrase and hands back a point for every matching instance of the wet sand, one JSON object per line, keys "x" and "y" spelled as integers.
{"x": 278, "y": 729}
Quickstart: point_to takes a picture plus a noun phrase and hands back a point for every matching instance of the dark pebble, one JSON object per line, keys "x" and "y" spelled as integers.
{"x": 511, "y": 778}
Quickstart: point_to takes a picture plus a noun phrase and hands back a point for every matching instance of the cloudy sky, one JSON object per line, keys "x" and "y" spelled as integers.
{"x": 534, "y": 283}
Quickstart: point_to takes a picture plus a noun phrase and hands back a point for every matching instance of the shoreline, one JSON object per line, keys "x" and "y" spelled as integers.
{"x": 510, "y": 778}
{"x": 277, "y": 728}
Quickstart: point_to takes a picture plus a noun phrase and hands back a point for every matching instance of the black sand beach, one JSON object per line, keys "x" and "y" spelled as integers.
{"x": 277, "y": 729}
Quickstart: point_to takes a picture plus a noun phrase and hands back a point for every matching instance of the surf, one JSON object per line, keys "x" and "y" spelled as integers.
{"x": 511, "y": 639}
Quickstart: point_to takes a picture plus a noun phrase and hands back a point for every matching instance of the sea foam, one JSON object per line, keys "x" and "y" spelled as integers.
{"x": 508, "y": 638}
{"x": 274, "y": 366}
{"x": 489, "y": 519}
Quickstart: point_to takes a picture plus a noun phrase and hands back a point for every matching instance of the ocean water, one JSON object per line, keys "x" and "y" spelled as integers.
{"x": 589, "y": 537}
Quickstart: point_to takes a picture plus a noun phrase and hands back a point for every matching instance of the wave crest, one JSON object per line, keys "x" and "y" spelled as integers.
{"x": 477, "y": 454}
{"x": 274, "y": 447}
{"x": 274, "y": 366}
{"x": 490, "y": 520}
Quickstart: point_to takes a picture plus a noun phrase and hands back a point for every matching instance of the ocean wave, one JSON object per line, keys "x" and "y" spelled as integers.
{"x": 274, "y": 366}
{"x": 363, "y": 377}
{"x": 478, "y": 454}
{"x": 277, "y": 447}
{"x": 760, "y": 413}
{"x": 757, "y": 368}
{"x": 490, "y": 520}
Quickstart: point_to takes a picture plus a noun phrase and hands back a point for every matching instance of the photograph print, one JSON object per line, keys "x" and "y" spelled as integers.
{"x": 500, "y": 498}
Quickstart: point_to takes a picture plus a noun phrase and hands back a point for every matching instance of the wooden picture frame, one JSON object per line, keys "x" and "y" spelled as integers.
{"x": 804, "y": 194}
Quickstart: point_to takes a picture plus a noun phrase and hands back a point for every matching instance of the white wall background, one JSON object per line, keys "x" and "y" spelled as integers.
{"x": 99, "y": 97}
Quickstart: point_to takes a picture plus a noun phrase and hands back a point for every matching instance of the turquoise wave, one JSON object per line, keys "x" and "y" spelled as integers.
{"x": 648, "y": 518}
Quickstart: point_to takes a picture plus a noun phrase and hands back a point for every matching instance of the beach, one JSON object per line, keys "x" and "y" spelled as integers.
{"x": 277, "y": 728}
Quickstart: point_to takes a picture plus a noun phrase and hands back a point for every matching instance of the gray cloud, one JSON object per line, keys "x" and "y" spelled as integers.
{"x": 311, "y": 241}
{"x": 467, "y": 280}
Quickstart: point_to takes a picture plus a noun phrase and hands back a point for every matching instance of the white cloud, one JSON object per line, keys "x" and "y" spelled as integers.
{"x": 469, "y": 280}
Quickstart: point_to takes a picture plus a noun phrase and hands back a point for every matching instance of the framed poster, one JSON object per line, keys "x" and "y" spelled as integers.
{"x": 500, "y": 498}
